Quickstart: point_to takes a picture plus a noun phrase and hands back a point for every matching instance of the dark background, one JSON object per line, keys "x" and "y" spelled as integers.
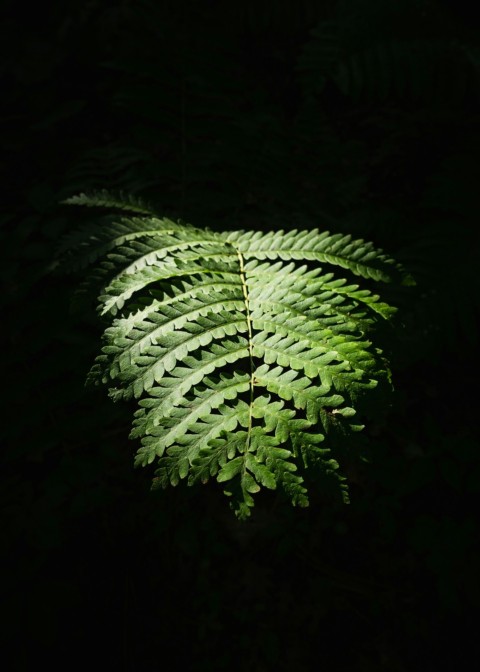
{"x": 359, "y": 116}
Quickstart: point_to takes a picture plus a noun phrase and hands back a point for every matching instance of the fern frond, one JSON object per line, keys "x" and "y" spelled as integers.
{"x": 124, "y": 286}
{"x": 287, "y": 385}
{"x": 143, "y": 370}
{"x": 118, "y": 236}
{"x": 109, "y": 200}
{"x": 357, "y": 256}
{"x": 417, "y": 70}
{"x": 306, "y": 290}
{"x": 242, "y": 361}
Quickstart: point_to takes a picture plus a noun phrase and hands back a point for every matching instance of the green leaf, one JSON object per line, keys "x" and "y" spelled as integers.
{"x": 243, "y": 354}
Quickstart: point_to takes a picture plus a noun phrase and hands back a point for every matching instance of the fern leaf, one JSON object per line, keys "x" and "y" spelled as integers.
{"x": 359, "y": 257}
{"x": 243, "y": 361}
{"x": 113, "y": 243}
{"x": 110, "y": 201}
{"x": 264, "y": 464}
{"x": 135, "y": 339}
{"x": 287, "y": 385}
{"x": 126, "y": 284}
{"x": 307, "y": 291}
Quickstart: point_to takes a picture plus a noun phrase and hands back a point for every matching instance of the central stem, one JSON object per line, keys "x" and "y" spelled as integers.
{"x": 250, "y": 343}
